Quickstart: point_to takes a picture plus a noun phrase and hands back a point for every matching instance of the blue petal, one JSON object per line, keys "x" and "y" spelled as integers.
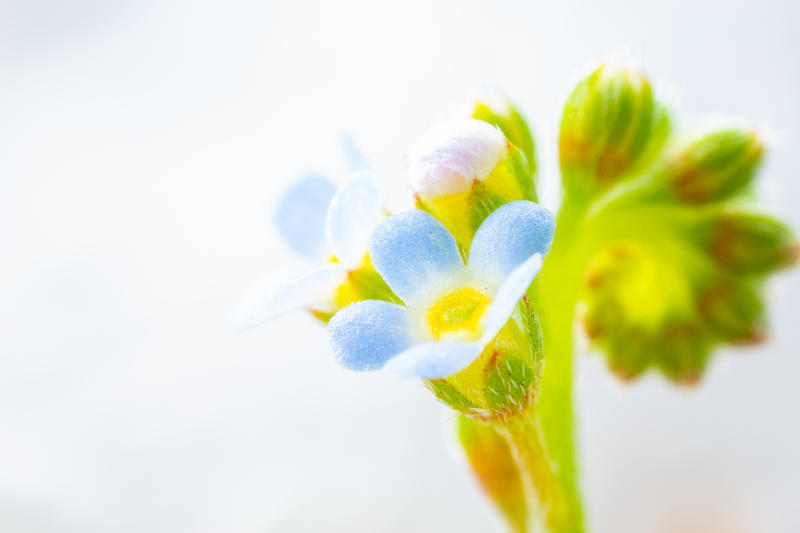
{"x": 354, "y": 212}
{"x": 356, "y": 161}
{"x": 433, "y": 360}
{"x": 368, "y": 333}
{"x": 508, "y": 237}
{"x": 262, "y": 302}
{"x": 508, "y": 295}
{"x": 415, "y": 255}
{"x": 300, "y": 215}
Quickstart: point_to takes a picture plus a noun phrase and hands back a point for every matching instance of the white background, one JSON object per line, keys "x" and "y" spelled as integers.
{"x": 141, "y": 147}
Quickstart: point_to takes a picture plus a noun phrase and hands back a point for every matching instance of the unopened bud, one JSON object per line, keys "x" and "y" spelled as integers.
{"x": 629, "y": 354}
{"x": 734, "y": 311}
{"x": 749, "y": 243}
{"x": 452, "y": 154}
{"x": 603, "y": 317}
{"x": 682, "y": 353}
{"x": 463, "y": 169}
{"x": 714, "y": 166}
{"x": 607, "y": 124}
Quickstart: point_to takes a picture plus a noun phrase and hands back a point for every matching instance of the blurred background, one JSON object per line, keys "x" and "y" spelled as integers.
{"x": 142, "y": 146}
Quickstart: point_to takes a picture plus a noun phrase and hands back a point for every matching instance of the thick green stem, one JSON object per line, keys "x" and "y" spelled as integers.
{"x": 556, "y": 293}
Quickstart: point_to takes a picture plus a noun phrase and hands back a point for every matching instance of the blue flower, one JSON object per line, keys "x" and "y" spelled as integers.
{"x": 452, "y": 310}
{"x": 329, "y": 228}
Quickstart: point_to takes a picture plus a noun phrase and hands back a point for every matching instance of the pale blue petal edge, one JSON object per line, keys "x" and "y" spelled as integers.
{"x": 300, "y": 215}
{"x": 366, "y": 334}
{"x": 262, "y": 302}
{"x": 415, "y": 254}
{"x": 353, "y": 213}
{"x": 433, "y": 360}
{"x": 506, "y": 298}
{"x": 355, "y": 158}
{"x": 508, "y": 237}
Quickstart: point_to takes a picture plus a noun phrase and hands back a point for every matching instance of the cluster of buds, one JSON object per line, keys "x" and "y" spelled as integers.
{"x": 645, "y": 311}
{"x": 642, "y": 313}
{"x": 687, "y": 269}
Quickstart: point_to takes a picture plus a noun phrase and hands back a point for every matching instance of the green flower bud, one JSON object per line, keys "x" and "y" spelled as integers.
{"x": 629, "y": 357}
{"x": 734, "y": 311}
{"x": 714, "y": 166}
{"x": 501, "y": 112}
{"x": 608, "y": 123}
{"x": 682, "y": 352}
{"x": 502, "y": 382}
{"x": 748, "y": 243}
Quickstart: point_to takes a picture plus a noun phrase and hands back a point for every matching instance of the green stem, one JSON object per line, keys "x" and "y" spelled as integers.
{"x": 547, "y": 505}
{"x": 543, "y": 441}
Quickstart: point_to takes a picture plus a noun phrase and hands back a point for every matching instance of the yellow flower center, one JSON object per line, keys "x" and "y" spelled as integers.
{"x": 457, "y": 315}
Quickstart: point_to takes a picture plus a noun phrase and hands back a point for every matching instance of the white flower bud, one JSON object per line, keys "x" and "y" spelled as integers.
{"x": 452, "y": 154}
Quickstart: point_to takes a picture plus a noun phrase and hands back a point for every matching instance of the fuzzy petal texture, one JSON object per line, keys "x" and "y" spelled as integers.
{"x": 366, "y": 334}
{"x": 300, "y": 216}
{"x": 433, "y": 360}
{"x": 415, "y": 255}
{"x": 353, "y": 214}
{"x": 452, "y": 154}
{"x": 508, "y": 295}
{"x": 507, "y": 238}
{"x": 262, "y": 302}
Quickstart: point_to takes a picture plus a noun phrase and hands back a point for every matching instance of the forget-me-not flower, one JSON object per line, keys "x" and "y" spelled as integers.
{"x": 330, "y": 228}
{"x": 452, "y": 310}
